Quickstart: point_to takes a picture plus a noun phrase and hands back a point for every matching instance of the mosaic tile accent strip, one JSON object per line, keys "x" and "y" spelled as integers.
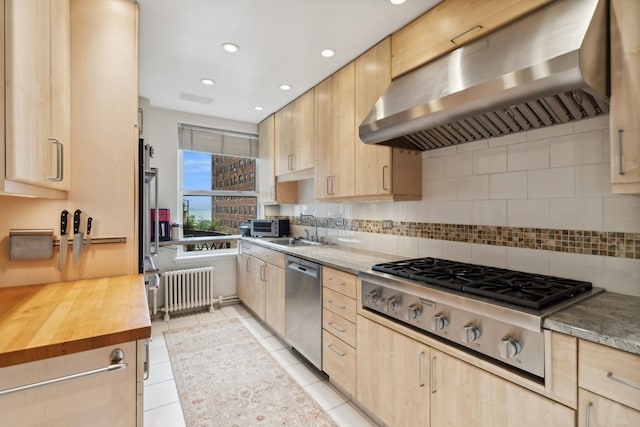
{"x": 603, "y": 243}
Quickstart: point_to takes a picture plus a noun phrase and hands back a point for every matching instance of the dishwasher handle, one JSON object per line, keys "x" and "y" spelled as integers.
{"x": 309, "y": 271}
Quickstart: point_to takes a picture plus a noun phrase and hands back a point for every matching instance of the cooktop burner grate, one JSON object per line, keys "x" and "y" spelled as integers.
{"x": 523, "y": 289}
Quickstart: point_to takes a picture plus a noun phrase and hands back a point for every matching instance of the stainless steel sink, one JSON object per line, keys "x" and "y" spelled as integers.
{"x": 289, "y": 241}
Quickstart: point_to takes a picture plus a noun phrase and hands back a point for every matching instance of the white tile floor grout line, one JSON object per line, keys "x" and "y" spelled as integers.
{"x": 327, "y": 396}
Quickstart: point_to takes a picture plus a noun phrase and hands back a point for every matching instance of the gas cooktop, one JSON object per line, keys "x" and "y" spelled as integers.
{"x": 529, "y": 290}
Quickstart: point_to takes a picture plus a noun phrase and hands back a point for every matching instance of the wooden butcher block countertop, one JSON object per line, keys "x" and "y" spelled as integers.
{"x": 42, "y": 321}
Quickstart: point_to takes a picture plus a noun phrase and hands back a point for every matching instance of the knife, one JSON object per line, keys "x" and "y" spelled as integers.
{"x": 77, "y": 235}
{"x": 62, "y": 258}
{"x": 89, "y": 221}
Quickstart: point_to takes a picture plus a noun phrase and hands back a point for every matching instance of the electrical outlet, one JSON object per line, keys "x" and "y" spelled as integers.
{"x": 386, "y": 224}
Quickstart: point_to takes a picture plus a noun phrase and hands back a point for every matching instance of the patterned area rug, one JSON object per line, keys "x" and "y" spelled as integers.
{"x": 225, "y": 377}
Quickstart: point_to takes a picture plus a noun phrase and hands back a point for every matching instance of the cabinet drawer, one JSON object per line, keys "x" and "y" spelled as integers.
{"x": 611, "y": 373}
{"x": 268, "y": 255}
{"x": 339, "y": 304}
{"x": 339, "y": 281}
{"x": 603, "y": 412}
{"x": 339, "y": 326}
{"x": 339, "y": 362}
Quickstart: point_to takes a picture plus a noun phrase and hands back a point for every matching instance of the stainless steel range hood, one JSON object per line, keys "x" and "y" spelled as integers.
{"x": 547, "y": 68}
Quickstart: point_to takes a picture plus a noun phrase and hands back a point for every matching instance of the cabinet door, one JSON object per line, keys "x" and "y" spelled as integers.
{"x": 274, "y": 298}
{"x": 372, "y": 162}
{"x": 37, "y": 92}
{"x": 596, "y": 411}
{"x": 283, "y": 140}
{"x": 323, "y": 138}
{"x": 487, "y": 399}
{"x": 103, "y": 399}
{"x": 241, "y": 276}
{"x": 266, "y": 161}
{"x": 302, "y": 124}
{"x": 625, "y": 92}
{"x": 342, "y": 147}
{"x": 392, "y": 375}
{"x": 255, "y": 286}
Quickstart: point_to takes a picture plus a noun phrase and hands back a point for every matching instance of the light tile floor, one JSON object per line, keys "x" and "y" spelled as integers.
{"x": 162, "y": 405}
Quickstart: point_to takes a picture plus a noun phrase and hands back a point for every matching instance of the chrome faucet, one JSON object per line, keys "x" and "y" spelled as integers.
{"x": 315, "y": 220}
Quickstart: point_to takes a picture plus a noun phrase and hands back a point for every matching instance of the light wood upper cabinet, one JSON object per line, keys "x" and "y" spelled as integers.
{"x": 323, "y": 137}
{"x": 294, "y": 136}
{"x": 266, "y": 160}
{"x": 37, "y": 98}
{"x": 381, "y": 173}
{"x": 393, "y": 376}
{"x": 625, "y": 96}
{"x": 450, "y": 25}
{"x": 487, "y": 400}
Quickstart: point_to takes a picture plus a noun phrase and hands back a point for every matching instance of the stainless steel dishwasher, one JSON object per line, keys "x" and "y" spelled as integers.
{"x": 303, "y": 308}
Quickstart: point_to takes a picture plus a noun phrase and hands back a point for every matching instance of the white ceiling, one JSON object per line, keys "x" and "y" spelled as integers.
{"x": 280, "y": 42}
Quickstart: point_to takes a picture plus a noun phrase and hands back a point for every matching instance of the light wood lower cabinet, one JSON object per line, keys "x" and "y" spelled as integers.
{"x": 598, "y": 411}
{"x": 104, "y": 399}
{"x": 463, "y": 395}
{"x": 393, "y": 375}
{"x": 274, "y": 297}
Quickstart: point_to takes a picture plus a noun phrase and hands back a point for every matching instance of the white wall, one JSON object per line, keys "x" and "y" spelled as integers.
{"x": 556, "y": 178}
{"x": 162, "y": 134}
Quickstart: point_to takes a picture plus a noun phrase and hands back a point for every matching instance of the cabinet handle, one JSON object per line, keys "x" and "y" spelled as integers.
{"x": 271, "y": 192}
{"x": 247, "y": 269}
{"x": 341, "y": 307}
{"x": 117, "y": 363}
{"x": 262, "y": 272}
{"x": 587, "y": 415}
{"x": 337, "y": 328}
{"x": 420, "y": 358}
{"x": 59, "y": 160}
{"x": 622, "y": 381}
{"x": 339, "y": 353}
{"x": 146, "y": 359}
{"x": 620, "y": 168}
{"x": 290, "y": 162}
{"x": 384, "y": 176}
{"x": 432, "y": 364}
{"x": 328, "y": 190}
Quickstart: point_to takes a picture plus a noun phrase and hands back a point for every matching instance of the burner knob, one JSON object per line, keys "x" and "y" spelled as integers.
{"x": 373, "y": 297}
{"x": 413, "y": 311}
{"x": 438, "y": 322}
{"x": 509, "y": 348}
{"x": 470, "y": 333}
{"x": 392, "y": 304}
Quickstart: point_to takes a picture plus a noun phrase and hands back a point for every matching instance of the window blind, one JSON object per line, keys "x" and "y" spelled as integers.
{"x": 217, "y": 141}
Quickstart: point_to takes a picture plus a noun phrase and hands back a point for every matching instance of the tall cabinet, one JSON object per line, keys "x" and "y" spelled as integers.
{"x": 269, "y": 191}
{"x": 294, "y": 136}
{"x": 37, "y": 98}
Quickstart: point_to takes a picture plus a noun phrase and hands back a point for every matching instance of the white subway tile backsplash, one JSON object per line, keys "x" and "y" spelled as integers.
{"x": 456, "y": 251}
{"x": 408, "y": 247}
{"x": 495, "y": 256}
{"x": 493, "y": 160}
{"x": 445, "y": 151}
{"x": 622, "y": 213}
{"x": 549, "y": 132}
{"x": 407, "y": 211}
{"x": 528, "y": 213}
{"x": 459, "y": 164}
{"x": 444, "y": 189}
{"x": 528, "y": 155}
{"x": 589, "y": 268}
{"x": 576, "y": 149}
{"x": 431, "y": 211}
{"x": 600, "y": 122}
{"x": 430, "y": 248}
{"x": 514, "y": 138}
{"x": 433, "y": 167}
{"x": 528, "y": 260}
{"x": 489, "y": 212}
{"x": 555, "y": 182}
{"x": 457, "y": 211}
{"x": 590, "y": 180}
{"x": 511, "y": 185}
{"x": 576, "y": 214}
{"x": 474, "y": 187}
{"x": 622, "y": 275}
{"x": 473, "y": 146}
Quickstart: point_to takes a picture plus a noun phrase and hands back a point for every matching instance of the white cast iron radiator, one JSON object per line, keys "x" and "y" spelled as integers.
{"x": 184, "y": 289}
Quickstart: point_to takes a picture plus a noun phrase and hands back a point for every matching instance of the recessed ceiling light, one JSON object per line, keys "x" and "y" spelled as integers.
{"x": 328, "y": 53}
{"x": 207, "y": 82}
{"x": 285, "y": 87}
{"x": 230, "y": 47}
{"x": 258, "y": 108}
{"x": 397, "y": 1}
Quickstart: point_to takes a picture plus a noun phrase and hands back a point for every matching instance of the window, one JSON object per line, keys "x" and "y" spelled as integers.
{"x": 213, "y": 196}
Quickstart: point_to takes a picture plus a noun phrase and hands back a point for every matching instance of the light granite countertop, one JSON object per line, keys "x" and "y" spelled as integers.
{"x": 608, "y": 318}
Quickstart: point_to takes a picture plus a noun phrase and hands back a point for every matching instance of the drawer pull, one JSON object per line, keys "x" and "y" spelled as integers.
{"x": 117, "y": 363}
{"x": 341, "y": 307}
{"x": 621, "y": 381}
{"x": 339, "y": 353}
{"x": 336, "y": 282}
{"x": 337, "y": 328}
{"x": 587, "y": 415}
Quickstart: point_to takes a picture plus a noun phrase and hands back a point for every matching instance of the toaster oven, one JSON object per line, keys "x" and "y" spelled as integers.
{"x": 269, "y": 227}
